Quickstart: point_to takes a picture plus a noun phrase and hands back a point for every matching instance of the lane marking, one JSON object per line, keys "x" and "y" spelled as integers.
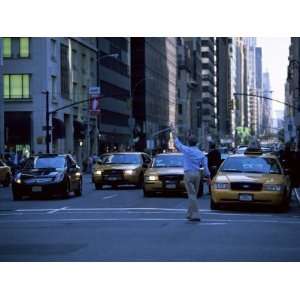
{"x": 110, "y": 196}
{"x": 56, "y": 210}
{"x": 112, "y": 219}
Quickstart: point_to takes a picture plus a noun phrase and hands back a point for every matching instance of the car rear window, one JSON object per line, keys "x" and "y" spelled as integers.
{"x": 247, "y": 164}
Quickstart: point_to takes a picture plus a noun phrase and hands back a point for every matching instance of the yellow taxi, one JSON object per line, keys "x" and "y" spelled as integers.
{"x": 251, "y": 178}
{"x": 165, "y": 175}
{"x": 5, "y": 174}
{"x": 120, "y": 168}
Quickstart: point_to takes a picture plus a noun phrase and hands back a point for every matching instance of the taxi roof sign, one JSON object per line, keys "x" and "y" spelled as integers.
{"x": 254, "y": 147}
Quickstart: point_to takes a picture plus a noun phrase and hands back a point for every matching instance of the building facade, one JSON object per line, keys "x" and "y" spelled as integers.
{"x": 1, "y": 102}
{"x": 208, "y": 91}
{"x": 184, "y": 88}
{"x": 266, "y": 108}
{"x": 153, "y": 86}
{"x": 115, "y": 119}
{"x": 226, "y": 90}
{"x": 259, "y": 88}
{"x": 65, "y": 67}
{"x": 293, "y": 80}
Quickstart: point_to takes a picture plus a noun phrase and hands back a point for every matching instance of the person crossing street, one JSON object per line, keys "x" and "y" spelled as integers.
{"x": 193, "y": 159}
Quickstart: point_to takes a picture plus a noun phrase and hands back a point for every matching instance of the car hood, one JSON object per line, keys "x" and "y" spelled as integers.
{"x": 165, "y": 171}
{"x": 249, "y": 177}
{"x": 117, "y": 167}
{"x": 50, "y": 172}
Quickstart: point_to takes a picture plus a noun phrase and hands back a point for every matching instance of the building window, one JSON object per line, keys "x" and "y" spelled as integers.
{"x": 83, "y": 63}
{"x": 74, "y": 92}
{"x": 53, "y": 87}
{"x": 53, "y": 50}
{"x": 6, "y": 47}
{"x": 24, "y": 47}
{"x": 74, "y": 59}
{"x": 65, "y": 72}
{"x": 16, "y": 86}
{"x": 180, "y": 109}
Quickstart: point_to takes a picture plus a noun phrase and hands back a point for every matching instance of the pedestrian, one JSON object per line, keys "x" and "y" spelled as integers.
{"x": 214, "y": 160}
{"x": 193, "y": 159}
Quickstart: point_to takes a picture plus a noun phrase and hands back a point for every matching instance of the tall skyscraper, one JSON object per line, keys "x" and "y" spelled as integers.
{"x": 259, "y": 88}
{"x": 266, "y": 105}
{"x": 153, "y": 86}
{"x": 115, "y": 123}
{"x": 225, "y": 89}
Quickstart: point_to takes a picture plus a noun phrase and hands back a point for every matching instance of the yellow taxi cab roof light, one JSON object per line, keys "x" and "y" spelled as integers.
{"x": 254, "y": 147}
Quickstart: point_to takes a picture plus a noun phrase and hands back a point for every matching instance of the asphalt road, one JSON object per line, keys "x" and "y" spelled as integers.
{"x": 122, "y": 225}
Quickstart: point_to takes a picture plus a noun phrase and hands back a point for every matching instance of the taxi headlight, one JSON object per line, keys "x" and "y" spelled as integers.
{"x": 129, "y": 172}
{"x": 273, "y": 187}
{"x": 98, "y": 172}
{"x": 77, "y": 174}
{"x": 151, "y": 177}
{"x": 221, "y": 186}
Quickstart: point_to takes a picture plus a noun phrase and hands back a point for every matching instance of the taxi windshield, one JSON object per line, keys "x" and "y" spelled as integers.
{"x": 123, "y": 159}
{"x": 247, "y": 164}
{"x": 168, "y": 161}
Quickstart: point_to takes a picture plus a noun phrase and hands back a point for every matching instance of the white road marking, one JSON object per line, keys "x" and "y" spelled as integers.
{"x": 110, "y": 196}
{"x": 53, "y": 211}
{"x": 109, "y": 219}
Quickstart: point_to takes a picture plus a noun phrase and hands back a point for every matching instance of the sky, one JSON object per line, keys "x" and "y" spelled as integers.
{"x": 275, "y": 52}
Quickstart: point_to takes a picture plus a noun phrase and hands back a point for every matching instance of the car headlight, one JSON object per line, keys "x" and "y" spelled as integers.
{"x": 18, "y": 178}
{"x": 77, "y": 174}
{"x": 273, "y": 187}
{"x": 59, "y": 177}
{"x": 98, "y": 172}
{"x": 151, "y": 178}
{"x": 221, "y": 186}
{"x": 129, "y": 172}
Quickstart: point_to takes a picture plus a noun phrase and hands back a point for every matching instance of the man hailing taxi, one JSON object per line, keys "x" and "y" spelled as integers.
{"x": 193, "y": 160}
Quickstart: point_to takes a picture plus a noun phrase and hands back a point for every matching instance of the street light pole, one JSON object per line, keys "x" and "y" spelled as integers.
{"x": 47, "y": 122}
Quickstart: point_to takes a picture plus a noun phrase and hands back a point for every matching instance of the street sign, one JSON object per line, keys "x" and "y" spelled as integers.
{"x": 94, "y": 90}
{"x": 95, "y": 105}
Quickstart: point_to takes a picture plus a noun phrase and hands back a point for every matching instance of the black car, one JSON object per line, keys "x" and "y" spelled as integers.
{"x": 48, "y": 174}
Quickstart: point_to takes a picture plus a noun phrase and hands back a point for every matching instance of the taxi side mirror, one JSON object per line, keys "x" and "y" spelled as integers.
{"x": 99, "y": 162}
{"x": 286, "y": 171}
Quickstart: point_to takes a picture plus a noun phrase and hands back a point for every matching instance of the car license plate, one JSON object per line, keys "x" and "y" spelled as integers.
{"x": 113, "y": 178}
{"x": 170, "y": 186}
{"x": 36, "y": 188}
{"x": 245, "y": 197}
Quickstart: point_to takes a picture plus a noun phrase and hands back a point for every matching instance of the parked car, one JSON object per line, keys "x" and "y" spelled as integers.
{"x": 120, "y": 168}
{"x": 48, "y": 174}
{"x": 5, "y": 174}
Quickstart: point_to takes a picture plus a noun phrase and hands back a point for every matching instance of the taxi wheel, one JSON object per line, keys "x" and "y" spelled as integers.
{"x": 148, "y": 194}
{"x": 78, "y": 192}
{"x": 6, "y": 182}
{"x": 141, "y": 181}
{"x": 67, "y": 190}
{"x": 16, "y": 196}
{"x": 213, "y": 205}
{"x": 98, "y": 186}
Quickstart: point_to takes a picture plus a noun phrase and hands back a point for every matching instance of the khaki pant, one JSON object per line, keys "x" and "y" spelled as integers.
{"x": 192, "y": 181}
